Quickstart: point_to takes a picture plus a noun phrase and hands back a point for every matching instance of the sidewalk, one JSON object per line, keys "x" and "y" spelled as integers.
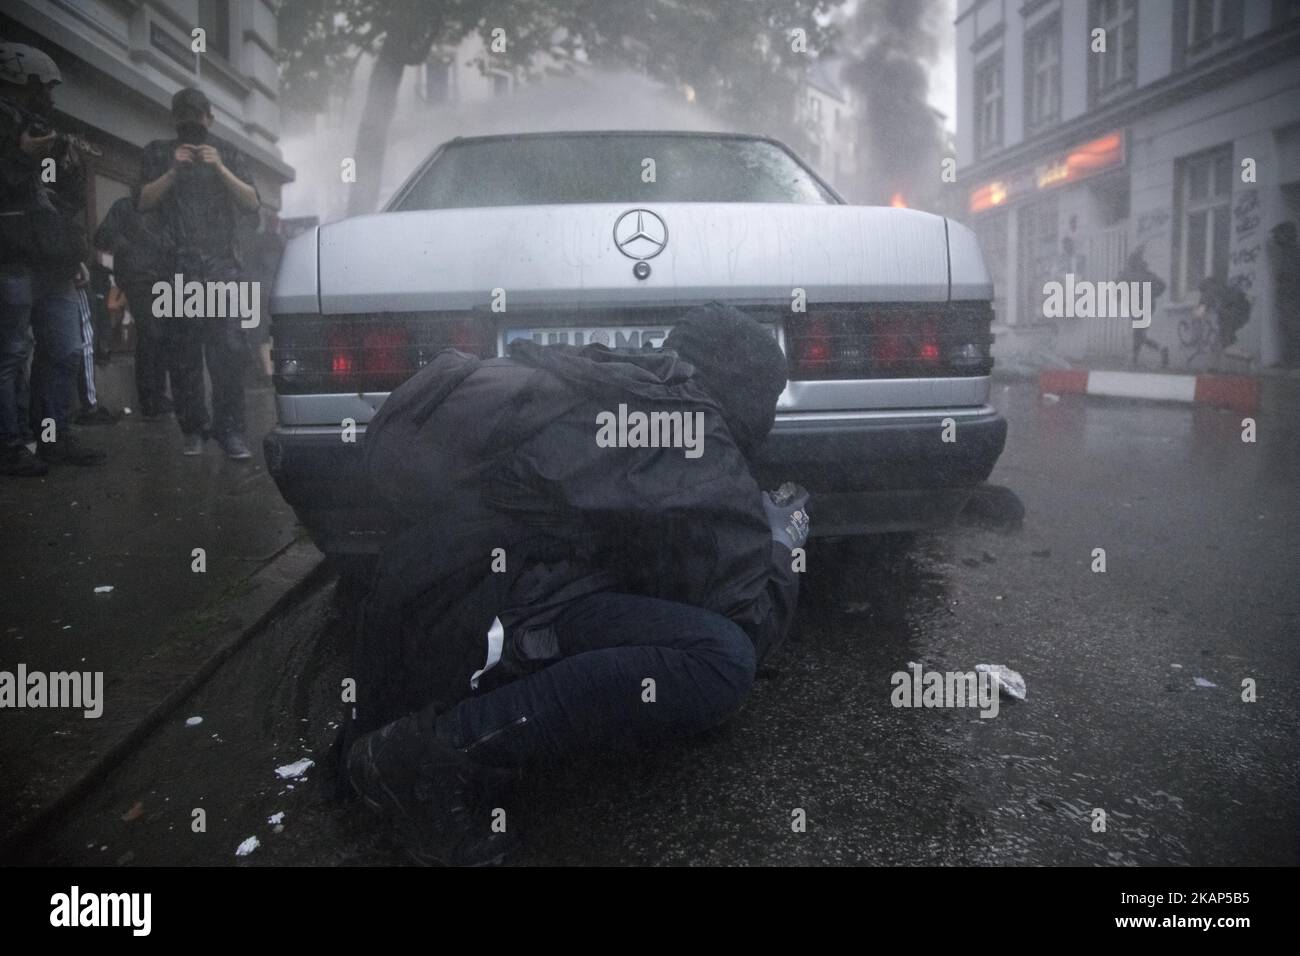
{"x": 131, "y": 524}
{"x": 1022, "y": 353}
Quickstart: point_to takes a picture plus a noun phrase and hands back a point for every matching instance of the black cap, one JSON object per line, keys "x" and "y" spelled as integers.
{"x": 191, "y": 101}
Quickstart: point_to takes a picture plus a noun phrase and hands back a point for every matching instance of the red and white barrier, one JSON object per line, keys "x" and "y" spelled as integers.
{"x": 1238, "y": 392}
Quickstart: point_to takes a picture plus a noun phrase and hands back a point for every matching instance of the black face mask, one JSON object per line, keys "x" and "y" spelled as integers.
{"x": 196, "y": 134}
{"x": 42, "y": 104}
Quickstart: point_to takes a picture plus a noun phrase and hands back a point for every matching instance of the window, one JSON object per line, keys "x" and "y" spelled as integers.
{"x": 557, "y": 168}
{"x": 1043, "y": 76}
{"x": 1204, "y": 27}
{"x": 1115, "y": 71}
{"x": 1204, "y": 199}
{"x": 988, "y": 106}
{"x": 214, "y": 18}
{"x": 1284, "y": 11}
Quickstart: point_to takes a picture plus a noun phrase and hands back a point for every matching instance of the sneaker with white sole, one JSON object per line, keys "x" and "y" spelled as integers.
{"x": 193, "y": 444}
{"x": 236, "y": 448}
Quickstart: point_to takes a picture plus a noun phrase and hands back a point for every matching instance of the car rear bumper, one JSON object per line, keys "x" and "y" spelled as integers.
{"x": 869, "y": 472}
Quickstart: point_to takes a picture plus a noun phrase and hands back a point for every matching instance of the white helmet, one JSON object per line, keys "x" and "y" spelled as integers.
{"x": 19, "y": 62}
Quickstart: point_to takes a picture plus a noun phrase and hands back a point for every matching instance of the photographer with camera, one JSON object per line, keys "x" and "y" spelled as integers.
{"x": 42, "y": 253}
{"x": 199, "y": 187}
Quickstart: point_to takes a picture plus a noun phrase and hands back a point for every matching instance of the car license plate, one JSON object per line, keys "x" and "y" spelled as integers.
{"x": 613, "y": 336}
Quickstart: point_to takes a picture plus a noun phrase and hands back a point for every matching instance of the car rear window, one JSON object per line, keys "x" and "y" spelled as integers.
{"x": 542, "y": 170}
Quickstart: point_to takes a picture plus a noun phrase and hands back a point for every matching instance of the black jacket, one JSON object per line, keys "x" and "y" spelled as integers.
{"x": 135, "y": 240}
{"x": 198, "y": 218}
{"x": 477, "y": 455}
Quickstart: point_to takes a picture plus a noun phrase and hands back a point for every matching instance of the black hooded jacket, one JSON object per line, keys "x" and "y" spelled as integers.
{"x": 479, "y": 455}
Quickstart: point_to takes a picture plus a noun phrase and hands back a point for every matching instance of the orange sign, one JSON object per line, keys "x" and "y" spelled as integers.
{"x": 1105, "y": 152}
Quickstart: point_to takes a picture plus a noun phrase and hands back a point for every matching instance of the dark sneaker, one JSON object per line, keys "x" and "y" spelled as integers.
{"x": 235, "y": 447}
{"x": 154, "y": 413}
{"x": 192, "y": 444}
{"x": 99, "y": 415}
{"x": 21, "y": 463}
{"x": 69, "y": 450}
{"x": 437, "y": 800}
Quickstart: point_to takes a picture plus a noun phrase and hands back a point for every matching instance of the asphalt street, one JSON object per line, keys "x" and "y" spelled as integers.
{"x": 1134, "y": 676}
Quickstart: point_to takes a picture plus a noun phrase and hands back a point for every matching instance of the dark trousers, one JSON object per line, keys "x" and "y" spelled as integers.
{"x": 56, "y": 323}
{"x": 16, "y": 298}
{"x": 151, "y": 352}
{"x": 221, "y": 343}
{"x": 628, "y": 671}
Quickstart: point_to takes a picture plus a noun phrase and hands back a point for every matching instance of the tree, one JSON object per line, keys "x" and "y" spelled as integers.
{"x": 736, "y": 55}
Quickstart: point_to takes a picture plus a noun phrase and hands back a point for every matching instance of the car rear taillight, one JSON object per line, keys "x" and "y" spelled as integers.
{"x": 342, "y": 352}
{"x": 889, "y": 341}
{"x": 811, "y": 350}
{"x": 368, "y": 356}
{"x": 368, "y": 353}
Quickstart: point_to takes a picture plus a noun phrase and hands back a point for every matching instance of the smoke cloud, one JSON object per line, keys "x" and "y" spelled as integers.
{"x": 892, "y": 46}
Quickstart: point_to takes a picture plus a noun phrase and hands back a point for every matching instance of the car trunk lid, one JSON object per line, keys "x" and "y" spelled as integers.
{"x": 567, "y": 255}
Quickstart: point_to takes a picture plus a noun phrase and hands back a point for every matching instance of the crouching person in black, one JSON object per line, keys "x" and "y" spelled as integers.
{"x": 569, "y": 582}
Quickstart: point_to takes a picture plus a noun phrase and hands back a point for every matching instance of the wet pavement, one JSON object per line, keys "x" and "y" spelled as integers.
{"x": 131, "y": 524}
{"x": 1199, "y": 532}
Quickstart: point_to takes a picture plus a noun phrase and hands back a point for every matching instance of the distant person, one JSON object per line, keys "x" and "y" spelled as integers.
{"x": 1136, "y": 270}
{"x": 1228, "y": 309}
{"x": 265, "y": 250}
{"x": 42, "y": 251}
{"x": 138, "y": 257}
{"x": 93, "y": 411}
{"x": 200, "y": 186}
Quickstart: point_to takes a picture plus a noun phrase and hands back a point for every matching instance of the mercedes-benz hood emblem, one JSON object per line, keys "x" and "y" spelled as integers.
{"x": 640, "y": 234}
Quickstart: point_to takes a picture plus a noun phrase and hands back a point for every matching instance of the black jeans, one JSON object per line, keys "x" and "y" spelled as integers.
{"x": 628, "y": 671}
{"x": 152, "y": 357}
{"x": 221, "y": 342}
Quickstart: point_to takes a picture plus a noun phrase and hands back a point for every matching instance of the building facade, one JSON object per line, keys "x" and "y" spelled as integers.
{"x": 832, "y": 116}
{"x": 121, "y": 62}
{"x": 1089, "y": 129}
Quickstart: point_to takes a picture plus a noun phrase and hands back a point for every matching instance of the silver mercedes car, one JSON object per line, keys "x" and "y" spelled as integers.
{"x": 608, "y": 237}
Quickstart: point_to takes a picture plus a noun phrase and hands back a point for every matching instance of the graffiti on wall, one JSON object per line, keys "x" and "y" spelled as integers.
{"x": 1152, "y": 224}
{"x": 1247, "y": 239}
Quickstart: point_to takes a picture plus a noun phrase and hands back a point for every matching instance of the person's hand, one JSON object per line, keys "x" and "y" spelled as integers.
{"x": 787, "y": 514}
{"x": 183, "y": 156}
{"x": 210, "y": 156}
{"x": 37, "y": 145}
{"x": 82, "y": 277}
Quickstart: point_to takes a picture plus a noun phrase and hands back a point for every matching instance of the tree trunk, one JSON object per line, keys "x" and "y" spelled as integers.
{"x": 372, "y": 131}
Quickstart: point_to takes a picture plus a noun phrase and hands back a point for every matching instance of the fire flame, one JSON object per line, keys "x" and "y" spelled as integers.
{"x": 897, "y": 201}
